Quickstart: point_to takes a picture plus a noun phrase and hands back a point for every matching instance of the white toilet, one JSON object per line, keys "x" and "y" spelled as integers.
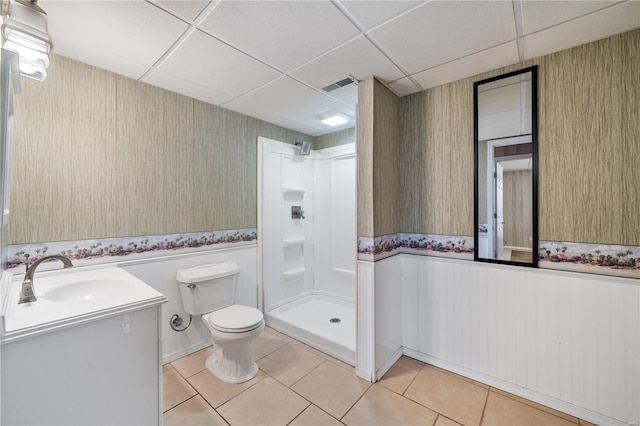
{"x": 209, "y": 290}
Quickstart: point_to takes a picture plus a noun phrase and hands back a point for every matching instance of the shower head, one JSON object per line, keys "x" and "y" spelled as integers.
{"x": 305, "y": 147}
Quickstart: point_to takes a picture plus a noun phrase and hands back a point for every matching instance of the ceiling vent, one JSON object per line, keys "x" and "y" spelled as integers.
{"x": 340, "y": 84}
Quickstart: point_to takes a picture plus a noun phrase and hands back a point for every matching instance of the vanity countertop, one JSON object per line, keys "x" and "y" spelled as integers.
{"x": 71, "y": 297}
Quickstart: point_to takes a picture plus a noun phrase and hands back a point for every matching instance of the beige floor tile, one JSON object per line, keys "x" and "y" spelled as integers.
{"x": 289, "y": 364}
{"x": 466, "y": 379}
{"x": 313, "y": 416}
{"x": 175, "y": 389}
{"x": 265, "y": 344}
{"x": 332, "y": 359}
{"x": 294, "y": 341}
{"x": 536, "y": 405}
{"x": 332, "y": 388}
{"x": 502, "y": 410}
{"x": 401, "y": 374}
{"x": 191, "y": 364}
{"x": 192, "y": 412}
{"x": 217, "y": 392}
{"x": 381, "y": 406}
{"x": 443, "y": 421}
{"x": 457, "y": 399}
{"x": 268, "y": 402}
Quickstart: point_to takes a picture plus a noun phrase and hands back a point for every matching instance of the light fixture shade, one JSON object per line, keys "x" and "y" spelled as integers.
{"x": 334, "y": 118}
{"x": 25, "y": 32}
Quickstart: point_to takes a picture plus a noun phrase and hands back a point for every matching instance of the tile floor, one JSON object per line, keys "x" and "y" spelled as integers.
{"x": 298, "y": 385}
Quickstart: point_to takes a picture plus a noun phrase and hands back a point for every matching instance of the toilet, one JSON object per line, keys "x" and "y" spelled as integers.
{"x": 209, "y": 290}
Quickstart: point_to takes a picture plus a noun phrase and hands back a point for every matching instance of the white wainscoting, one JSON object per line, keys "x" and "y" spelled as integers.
{"x": 570, "y": 341}
{"x": 160, "y": 273}
{"x": 388, "y": 317}
{"x": 365, "y": 321}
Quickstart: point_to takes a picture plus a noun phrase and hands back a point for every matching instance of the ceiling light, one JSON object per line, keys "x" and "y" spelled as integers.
{"x": 24, "y": 31}
{"x": 334, "y": 118}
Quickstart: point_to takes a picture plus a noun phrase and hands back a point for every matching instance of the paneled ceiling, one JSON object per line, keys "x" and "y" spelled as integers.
{"x": 270, "y": 59}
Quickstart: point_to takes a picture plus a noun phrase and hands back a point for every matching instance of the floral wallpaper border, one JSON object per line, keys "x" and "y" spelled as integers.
{"x": 377, "y": 248}
{"x": 617, "y": 260}
{"x": 603, "y": 259}
{"x": 108, "y": 250}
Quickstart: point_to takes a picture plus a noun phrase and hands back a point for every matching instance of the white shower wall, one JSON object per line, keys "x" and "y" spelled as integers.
{"x": 317, "y": 254}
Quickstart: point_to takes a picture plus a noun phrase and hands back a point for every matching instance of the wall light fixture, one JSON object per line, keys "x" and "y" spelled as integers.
{"x": 24, "y": 31}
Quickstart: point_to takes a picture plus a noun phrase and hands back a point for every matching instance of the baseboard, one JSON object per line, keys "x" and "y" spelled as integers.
{"x": 186, "y": 351}
{"x": 565, "y": 407}
{"x": 389, "y": 363}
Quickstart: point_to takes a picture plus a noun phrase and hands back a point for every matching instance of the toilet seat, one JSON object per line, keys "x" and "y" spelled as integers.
{"x": 234, "y": 319}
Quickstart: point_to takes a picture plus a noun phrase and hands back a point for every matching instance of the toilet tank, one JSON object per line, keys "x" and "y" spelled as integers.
{"x": 207, "y": 288}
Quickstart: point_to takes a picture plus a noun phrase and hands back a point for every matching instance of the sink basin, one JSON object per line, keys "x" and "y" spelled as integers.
{"x": 86, "y": 291}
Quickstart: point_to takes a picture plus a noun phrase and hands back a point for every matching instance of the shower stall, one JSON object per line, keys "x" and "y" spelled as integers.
{"x": 307, "y": 244}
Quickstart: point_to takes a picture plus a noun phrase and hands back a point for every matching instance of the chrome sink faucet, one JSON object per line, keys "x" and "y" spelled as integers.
{"x": 27, "y": 294}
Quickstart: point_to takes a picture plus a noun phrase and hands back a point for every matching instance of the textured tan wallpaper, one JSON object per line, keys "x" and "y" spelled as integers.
{"x": 378, "y": 156}
{"x": 437, "y": 156}
{"x": 517, "y": 208}
{"x": 341, "y": 137}
{"x": 100, "y": 155}
{"x": 590, "y": 142}
{"x": 364, "y": 157}
{"x": 386, "y": 162}
{"x": 589, "y": 148}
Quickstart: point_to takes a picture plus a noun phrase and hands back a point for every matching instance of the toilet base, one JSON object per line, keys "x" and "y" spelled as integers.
{"x": 232, "y": 365}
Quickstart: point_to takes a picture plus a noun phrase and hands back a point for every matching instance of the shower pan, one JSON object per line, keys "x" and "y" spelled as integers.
{"x": 307, "y": 244}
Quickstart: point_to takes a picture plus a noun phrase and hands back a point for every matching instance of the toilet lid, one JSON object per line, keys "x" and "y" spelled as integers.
{"x": 234, "y": 318}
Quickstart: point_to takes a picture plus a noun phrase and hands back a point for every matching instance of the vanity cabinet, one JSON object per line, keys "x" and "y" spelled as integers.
{"x": 87, "y": 352}
{"x": 106, "y": 371}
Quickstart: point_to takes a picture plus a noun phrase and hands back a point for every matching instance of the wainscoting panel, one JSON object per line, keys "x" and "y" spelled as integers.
{"x": 568, "y": 340}
{"x": 160, "y": 273}
{"x": 388, "y": 318}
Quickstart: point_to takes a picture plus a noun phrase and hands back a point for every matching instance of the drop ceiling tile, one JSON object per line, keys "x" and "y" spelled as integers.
{"x": 207, "y": 62}
{"x": 186, "y": 87}
{"x": 352, "y": 101}
{"x": 487, "y": 60}
{"x": 404, "y": 87}
{"x": 284, "y": 34}
{"x": 122, "y": 37}
{"x": 188, "y": 9}
{"x": 441, "y": 31}
{"x": 359, "y": 57}
{"x": 284, "y": 96}
{"x": 299, "y": 126}
{"x": 371, "y": 13}
{"x": 538, "y": 15}
{"x": 312, "y": 115}
{"x": 248, "y": 107}
{"x": 598, "y": 25}
{"x": 345, "y": 92}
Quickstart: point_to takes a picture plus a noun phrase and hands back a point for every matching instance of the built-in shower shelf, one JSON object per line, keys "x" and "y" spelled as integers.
{"x": 293, "y": 242}
{"x": 293, "y": 192}
{"x": 293, "y": 273}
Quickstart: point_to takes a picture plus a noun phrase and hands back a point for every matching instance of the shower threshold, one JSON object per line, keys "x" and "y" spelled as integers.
{"x": 323, "y": 322}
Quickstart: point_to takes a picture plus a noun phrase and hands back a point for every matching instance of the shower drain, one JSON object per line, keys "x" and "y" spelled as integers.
{"x": 335, "y": 320}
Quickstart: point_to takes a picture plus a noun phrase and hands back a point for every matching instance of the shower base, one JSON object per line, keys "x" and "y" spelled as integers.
{"x": 323, "y": 322}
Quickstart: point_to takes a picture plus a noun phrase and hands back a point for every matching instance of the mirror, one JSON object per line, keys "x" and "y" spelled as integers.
{"x": 505, "y": 202}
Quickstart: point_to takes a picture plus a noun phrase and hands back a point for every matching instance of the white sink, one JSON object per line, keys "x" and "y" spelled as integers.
{"x": 86, "y": 291}
{"x": 69, "y": 297}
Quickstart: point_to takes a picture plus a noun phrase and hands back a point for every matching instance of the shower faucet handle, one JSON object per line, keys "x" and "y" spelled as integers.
{"x": 296, "y": 212}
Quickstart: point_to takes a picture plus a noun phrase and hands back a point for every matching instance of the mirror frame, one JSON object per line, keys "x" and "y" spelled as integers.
{"x": 534, "y": 168}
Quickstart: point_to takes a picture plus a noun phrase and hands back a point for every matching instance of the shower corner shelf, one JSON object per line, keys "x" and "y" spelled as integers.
{"x": 293, "y": 192}
{"x": 293, "y": 242}
{"x": 293, "y": 273}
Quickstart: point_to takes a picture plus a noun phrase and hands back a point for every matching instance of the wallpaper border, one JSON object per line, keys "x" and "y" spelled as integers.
{"x": 107, "y": 250}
